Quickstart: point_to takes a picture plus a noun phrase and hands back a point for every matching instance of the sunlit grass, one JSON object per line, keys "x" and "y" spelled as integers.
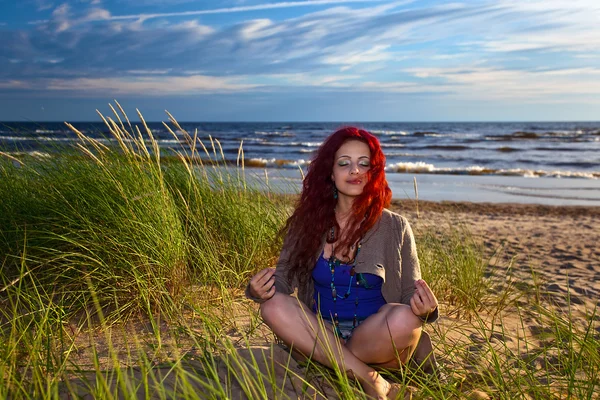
{"x": 123, "y": 272}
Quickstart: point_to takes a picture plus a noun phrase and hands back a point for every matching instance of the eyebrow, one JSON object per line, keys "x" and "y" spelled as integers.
{"x": 342, "y": 156}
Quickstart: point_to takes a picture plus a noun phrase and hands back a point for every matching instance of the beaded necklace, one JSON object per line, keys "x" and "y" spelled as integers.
{"x": 334, "y": 262}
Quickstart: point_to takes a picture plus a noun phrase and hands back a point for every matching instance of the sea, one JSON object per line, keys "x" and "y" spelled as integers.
{"x": 555, "y": 163}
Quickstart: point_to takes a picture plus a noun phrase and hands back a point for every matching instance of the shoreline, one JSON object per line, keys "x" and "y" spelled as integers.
{"x": 459, "y": 188}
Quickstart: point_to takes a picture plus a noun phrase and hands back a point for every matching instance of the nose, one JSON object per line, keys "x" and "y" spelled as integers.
{"x": 354, "y": 170}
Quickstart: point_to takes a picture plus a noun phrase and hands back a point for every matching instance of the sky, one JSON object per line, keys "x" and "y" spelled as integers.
{"x": 303, "y": 60}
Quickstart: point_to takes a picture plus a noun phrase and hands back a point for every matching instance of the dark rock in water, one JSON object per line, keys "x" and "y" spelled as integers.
{"x": 506, "y": 149}
{"x": 525, "y": 135}
{"x": 519, "y": 135}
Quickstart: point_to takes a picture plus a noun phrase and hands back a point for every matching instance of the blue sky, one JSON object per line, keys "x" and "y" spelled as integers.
{"x": 304, "y": 60}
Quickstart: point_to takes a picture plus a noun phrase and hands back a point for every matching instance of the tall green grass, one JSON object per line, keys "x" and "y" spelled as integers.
{"x": 122, "y": 276}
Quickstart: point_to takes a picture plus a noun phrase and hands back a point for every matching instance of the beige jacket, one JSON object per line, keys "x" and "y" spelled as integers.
{"x": 388, "y": 250}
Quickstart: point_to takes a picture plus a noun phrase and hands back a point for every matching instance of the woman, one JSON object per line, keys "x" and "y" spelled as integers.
{"x": 353, "y": 262}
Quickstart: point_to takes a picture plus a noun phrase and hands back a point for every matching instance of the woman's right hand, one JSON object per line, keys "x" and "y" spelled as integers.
{"x": 262, "y": 285}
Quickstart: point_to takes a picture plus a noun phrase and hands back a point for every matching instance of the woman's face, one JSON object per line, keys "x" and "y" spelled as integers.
{"x": 350, "y": 166}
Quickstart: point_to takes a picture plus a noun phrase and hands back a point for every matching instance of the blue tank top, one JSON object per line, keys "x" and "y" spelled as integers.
{"x": 369, "y": 300}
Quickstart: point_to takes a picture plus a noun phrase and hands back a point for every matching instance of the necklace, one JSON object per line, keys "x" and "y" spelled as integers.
{"x": 334, "y": 262}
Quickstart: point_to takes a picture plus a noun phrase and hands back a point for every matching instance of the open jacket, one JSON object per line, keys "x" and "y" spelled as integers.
{"x": 388, "y": 250}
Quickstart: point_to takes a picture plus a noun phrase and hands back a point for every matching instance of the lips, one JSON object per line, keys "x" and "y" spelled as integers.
{"x": 355, "y": 182}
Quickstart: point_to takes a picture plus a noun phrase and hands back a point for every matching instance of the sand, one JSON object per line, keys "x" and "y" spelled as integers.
{"x": 543, "y": 251}
{"x": 557, "y": 244}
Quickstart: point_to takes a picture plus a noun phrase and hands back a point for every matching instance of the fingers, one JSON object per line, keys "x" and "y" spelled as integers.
{"x": 423, "y": 299}
{"x": 263, "y": 276}
{"x": 418, "y": 301}
{"x": 413, "y": 306}
{"x": 425, "y": 292}
{"x": 262, "y": 284}
{"x": 270, "y": 293}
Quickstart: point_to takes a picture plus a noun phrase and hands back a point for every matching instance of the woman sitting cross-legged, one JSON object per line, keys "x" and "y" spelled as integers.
{"x": 354, "y": 263}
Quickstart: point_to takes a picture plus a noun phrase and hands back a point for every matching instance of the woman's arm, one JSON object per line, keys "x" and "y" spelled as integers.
{"x": 266, "y": 282}
{"x": 415, "y": 291}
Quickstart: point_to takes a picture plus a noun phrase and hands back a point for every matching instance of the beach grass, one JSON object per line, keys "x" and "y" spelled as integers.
{"x": 123, "y": 273}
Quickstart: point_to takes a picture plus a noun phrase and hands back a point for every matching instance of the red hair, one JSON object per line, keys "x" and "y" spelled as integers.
{"x": 314, "y": 215}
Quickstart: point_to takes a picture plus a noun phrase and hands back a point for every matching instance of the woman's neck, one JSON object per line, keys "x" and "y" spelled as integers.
{"x": 343, "y": 207}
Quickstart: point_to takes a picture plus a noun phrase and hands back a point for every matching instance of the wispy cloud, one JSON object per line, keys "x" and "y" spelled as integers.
{"x": 521, "y": 49}
{"x": 538, "y": 85}
{"x": 151, "y": 85}
{"x": 257, "y": 7}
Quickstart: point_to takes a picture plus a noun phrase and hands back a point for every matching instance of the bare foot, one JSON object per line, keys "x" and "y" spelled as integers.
{"x": 378, "y": 389}
{"x": 396, "y": 389}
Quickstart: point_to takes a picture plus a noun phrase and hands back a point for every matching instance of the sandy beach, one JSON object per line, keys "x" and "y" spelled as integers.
{"x": 538, "y": 252}
{"x": 556, "y": 243}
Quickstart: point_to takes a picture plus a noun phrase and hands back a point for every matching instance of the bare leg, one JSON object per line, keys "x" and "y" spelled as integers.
{"x": 393, "y": 331}
{"x": 298, "y": 326}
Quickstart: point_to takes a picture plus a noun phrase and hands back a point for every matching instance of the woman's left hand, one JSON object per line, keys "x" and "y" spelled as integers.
{"x": 423, "y": 301}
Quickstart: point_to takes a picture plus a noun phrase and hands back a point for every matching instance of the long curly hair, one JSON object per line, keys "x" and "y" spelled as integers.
{"x": 314, "y": 215}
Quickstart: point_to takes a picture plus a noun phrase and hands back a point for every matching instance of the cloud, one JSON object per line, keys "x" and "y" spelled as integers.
{"x": 258, "y": 7}
{"x": 537, "y": 85}
{"x": 151, "y": 85}
{"x": 399, "y": 47}
{"x": 42, "y": 5}
{"x": 14, "y": 84}
{"x": 377, "y": 53}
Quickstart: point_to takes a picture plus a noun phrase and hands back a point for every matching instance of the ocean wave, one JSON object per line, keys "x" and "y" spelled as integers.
{"x": 390, "y": 145}
{"x": 304, "y": 144}
{"x": 426, "y": 133}
{"x": 447, "y": 147}
{"x": 384, "y": 132}
{"x": 549, "y": 135}
{"x": 519, "y": 135}
{"x": 267, "y": 143}
{"x": 275, "y": 133}
{"x": 558, "y": 149}
{"x": 275, "y": 163}
{"x": 37, "y": 139}
{"x": 425, "y": 168}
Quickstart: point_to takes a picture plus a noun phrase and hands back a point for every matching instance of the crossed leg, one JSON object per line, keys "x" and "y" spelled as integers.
{"x": 371, "y": 342}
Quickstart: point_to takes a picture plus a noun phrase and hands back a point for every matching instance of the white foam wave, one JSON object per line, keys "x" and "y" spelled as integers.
{"x": 386, "y": 145}
{"x": 37, "y": 138}
{"x": 275, "y": 163}
{"x": 418, "y": 167}
{"x": 424, "y": 168}
{"x": 306, "y": 144}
